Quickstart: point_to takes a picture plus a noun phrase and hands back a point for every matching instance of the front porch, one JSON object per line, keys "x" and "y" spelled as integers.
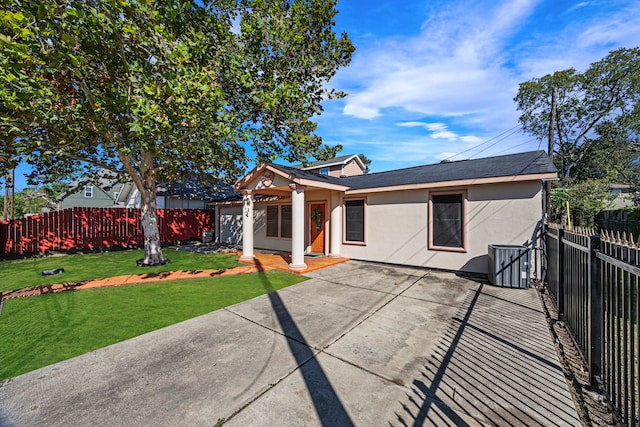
{"x": 282, "y": 260}
{"x": 297, "y": 213}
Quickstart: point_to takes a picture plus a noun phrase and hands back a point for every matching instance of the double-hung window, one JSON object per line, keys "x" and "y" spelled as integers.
{"x": 447, "y": 214}
{"x": 354, "y": 221}
{"x": 279, "y": 221}
{"x": 88, "y": 191}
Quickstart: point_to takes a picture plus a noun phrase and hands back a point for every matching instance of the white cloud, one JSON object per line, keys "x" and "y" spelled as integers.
{"x": 361, "y": 112}
{"x": 412, "y": 124}
{"x": 445, "y": 135}
{"x": 577, "y": 6}
{"x": 449, "y": 70}
{"x": 449, "y": 86}
{"x": 434, "y": 127}
{"x": 470, "y": 139}
{"x": 468, "y": 60}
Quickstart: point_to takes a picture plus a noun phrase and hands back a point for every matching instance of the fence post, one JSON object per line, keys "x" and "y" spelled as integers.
{"x": 560, "y": 278}
{"x": 595, "y": 310}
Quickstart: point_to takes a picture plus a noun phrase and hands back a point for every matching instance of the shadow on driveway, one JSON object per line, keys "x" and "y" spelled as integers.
{"x": 329, "y": 408}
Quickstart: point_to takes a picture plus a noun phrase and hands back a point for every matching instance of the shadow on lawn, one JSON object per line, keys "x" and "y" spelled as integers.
{"x": 326, "y": 402}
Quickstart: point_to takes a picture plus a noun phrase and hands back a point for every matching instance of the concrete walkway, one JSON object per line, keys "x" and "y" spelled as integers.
{"x": 359, "y": 344}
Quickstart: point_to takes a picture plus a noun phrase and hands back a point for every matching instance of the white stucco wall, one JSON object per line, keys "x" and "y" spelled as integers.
{"x": 397, "y": 226}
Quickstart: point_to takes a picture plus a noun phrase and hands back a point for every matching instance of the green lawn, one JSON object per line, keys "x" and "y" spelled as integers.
{"x": 41, "y": 330}
{"x": 16, "y": 274}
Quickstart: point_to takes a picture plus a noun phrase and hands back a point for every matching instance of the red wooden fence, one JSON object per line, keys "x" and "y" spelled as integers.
{"x": 90, "y": 228}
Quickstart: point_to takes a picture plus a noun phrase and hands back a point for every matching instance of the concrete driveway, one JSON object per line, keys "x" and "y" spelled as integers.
{"x": 358, "y": 344}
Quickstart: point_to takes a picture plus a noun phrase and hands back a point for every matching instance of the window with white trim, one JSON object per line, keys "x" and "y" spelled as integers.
{"x": 324, "y": 171}
{"x": 354, "y": 220}
{"x": 88, "y": 191}
{"x": 447, "y": 218}
{"x": 279, "y": 221}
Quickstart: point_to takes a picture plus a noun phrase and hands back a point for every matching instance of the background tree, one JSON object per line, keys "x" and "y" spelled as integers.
{"x": 596, "y": 128}
{"x": 366, "y": 161}
{"x": 159, "y": 90}
{"x": 36, "y": 200}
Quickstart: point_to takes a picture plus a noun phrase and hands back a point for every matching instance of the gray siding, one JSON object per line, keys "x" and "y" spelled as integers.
{"x": 101, "y": 198}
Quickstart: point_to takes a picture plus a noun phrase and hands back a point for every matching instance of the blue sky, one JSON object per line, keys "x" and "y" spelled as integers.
{"x": 434, "y": 78}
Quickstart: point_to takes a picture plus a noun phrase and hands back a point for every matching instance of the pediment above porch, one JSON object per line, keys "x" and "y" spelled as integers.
{"x": 272, "y": 179}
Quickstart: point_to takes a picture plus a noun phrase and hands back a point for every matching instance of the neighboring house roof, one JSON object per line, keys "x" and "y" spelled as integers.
{"x": 192, "y": 189}
{"x": 186, "y": 189}
{"x": 340, "y": 160}
{"x": 104, "y": 179}
{"x": 513, "y": 167}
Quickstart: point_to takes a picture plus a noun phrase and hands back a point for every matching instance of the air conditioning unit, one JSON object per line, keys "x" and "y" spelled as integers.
{"x": 509, "y": 266}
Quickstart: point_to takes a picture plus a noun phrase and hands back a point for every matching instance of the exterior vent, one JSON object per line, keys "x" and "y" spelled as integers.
{"x": 509, "y": 266}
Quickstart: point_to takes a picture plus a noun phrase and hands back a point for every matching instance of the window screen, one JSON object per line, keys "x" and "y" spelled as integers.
{"x": 354, "y": 224}
{"x": 272, "y": 221}
{"x": 447, "y": 216}
{"x": 285, "y": 221}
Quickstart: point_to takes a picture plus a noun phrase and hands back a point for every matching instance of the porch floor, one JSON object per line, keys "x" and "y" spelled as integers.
{"x": 281, "y": 261}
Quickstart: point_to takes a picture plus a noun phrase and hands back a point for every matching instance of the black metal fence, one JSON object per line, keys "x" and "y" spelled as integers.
{"x": 594, "y": 282}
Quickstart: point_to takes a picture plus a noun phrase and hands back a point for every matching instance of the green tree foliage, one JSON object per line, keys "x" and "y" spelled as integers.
{"x": 30, "y": 201}
{"x": 596, "y": 131}
{"x": 160, "y": 90}
{"x": 366, "y": 161}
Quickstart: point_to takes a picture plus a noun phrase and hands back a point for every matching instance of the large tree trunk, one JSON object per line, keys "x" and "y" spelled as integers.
{"x": 152, "y": 250}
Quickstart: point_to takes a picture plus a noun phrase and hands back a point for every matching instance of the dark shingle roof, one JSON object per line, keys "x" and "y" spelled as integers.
{"x": 529, "y": 163}
{"x": 300, "y": 173}
{"x": 533, "y": 162}
{"x": 191, "y": 188}
{"x": 333, "y": 161}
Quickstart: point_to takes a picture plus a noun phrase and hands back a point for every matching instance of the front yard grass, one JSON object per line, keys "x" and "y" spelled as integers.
{"x": 45, "y": 329}
{"x": 22, "y": 273}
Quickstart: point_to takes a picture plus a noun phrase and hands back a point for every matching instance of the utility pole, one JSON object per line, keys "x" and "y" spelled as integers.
{"x": 552, "y": 127}
{"x": 5, "y": 215}
{"x": 13, "y": 193}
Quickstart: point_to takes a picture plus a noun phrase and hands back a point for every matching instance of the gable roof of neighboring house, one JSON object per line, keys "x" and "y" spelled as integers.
{"x": 104, "y": 179}
{"x": 509, "y": 168}
{"x": 340, "y": 160}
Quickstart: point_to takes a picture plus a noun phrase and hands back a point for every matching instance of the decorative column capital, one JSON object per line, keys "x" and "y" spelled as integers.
{"x": 293, "y": 186}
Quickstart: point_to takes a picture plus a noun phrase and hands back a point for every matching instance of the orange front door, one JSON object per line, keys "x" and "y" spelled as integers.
{"x": 317, "y": 227}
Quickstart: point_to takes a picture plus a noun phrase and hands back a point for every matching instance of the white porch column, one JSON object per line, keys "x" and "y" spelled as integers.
{"x": 335, "y": 226}
{"x": 247, "y": 226}
{"x": 297, "y": 228}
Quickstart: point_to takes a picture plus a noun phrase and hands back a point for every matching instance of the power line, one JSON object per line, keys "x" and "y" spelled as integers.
{"x": 512, "y": 130}
{"x": 515, "y": 146}
{"x": 500, "y": 140}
